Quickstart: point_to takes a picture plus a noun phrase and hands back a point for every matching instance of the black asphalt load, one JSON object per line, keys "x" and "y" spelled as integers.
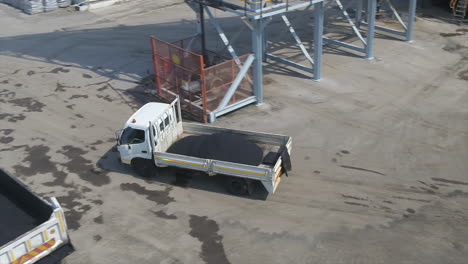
{"x": 219, "y": 146}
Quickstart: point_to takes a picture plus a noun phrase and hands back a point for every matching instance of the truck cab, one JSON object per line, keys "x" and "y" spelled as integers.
{"x": 153, "y": 128}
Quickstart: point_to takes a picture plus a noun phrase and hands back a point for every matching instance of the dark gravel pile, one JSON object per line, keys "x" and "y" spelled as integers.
{"x": 219, "y": 146}
{"x": 14, "y": 220}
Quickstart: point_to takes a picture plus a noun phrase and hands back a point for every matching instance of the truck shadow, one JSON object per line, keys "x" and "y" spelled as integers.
{"x": 176, "y": 177}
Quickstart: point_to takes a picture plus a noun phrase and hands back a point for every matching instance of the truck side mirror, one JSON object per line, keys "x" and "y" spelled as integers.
{"x": 117, "y": 135}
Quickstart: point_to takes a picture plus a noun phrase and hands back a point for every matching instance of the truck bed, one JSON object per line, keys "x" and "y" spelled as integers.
{"x": 275, "y": 158}
{"x": 20, "y": 210}
{"x": 266, "y": 148}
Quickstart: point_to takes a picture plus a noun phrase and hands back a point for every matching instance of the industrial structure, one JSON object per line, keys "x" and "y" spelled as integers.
{"x": 210, "y": 85}
{"x": 369, "y": 24}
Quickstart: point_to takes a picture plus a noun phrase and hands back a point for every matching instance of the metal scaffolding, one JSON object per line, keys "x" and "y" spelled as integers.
{"x": 370, "y": 11}
{"x": 257, "y": 15}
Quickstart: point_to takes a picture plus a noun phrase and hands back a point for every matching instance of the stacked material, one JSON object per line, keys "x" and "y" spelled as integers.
{"x": 50, "y": 5}
{"x": 219, "y": 146}
{"x": 31, "y": 6}
{"x": 64, "y": 3}
{"x": 37, "y": 6}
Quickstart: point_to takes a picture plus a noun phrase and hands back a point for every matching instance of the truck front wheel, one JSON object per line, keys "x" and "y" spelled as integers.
{"x": 144, "y": 167}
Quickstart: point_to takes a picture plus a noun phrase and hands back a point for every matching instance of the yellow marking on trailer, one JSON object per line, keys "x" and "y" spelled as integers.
{"x": 127, "y": 160}
{"x": 32, "y": 253}
{"x": 28, "y": 243}
{"x": 278, "y": 174}
{"x": 46, "y": 237}
{"x": 62, "y": 226}
{"x": 182, "y": 162}
{"x": 242, "y": 171}
{"x": 12, "y": 256}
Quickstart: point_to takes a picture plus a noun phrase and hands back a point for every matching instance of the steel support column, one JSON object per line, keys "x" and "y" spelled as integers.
{"x": 265, "y": 43}
{"x": 318, "y": 39}
{"x": 371, "y": 11}
{"x": 411, "y": 18}
{"x": 257, "y": 49}
{"x": 358, "y": 17}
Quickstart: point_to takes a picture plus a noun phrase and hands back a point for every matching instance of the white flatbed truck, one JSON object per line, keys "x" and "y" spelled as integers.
{"x": 32, "y": 230}
{"x": 149, "y": 132}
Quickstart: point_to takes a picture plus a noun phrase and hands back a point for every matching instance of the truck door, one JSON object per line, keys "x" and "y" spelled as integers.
{"x": 162, "y": 135}
{"x": 155, "y": 138}
{"x": 133, "y": 143}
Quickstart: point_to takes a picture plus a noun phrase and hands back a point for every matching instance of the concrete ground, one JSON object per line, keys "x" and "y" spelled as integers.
{"x": 379, "y": 157}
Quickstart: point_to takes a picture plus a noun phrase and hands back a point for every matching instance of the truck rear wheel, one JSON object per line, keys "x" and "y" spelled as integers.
{"x": 144, "y": 167}
{"x": 239, "y": 186}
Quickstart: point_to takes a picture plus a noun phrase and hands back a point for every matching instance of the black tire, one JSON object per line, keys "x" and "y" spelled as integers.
{"x": 144, "y": 167}
{"x": 236, "y": 186}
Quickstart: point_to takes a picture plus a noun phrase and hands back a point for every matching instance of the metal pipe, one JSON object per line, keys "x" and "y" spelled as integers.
{"x": 202, "y": 35}
{"x": 240, "y": 76}
{"x": 358, "y": 13}
{"x": 411, "y": 18}
{"x": 371, "y": 10}
{"x": 257, "y": 49}
{"x": 318, "y": 38}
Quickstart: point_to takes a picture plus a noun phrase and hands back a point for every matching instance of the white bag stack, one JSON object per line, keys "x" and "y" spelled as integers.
{"x": 64, "y": 3}
{"x": 32, "y": 6}
{"x": 50, "y": 5}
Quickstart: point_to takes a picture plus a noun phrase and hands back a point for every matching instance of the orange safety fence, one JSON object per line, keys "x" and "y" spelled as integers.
{"x": 180, "y": 71}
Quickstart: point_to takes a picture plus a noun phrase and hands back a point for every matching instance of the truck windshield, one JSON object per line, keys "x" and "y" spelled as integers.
{"x": 132, "y": 136}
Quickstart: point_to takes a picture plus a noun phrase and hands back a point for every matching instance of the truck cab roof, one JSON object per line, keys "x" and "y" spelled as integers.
{"x": 147, "y": 113}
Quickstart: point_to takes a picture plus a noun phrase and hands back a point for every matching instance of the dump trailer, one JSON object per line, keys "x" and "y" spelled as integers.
{"x": 32, "y": 230}
{"x": 147, "y": 135}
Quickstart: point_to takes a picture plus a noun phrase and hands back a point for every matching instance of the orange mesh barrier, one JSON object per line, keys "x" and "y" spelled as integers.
{"x": 180, "y": 71}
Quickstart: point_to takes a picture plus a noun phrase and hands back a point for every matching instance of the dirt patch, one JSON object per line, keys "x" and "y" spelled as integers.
{"x": 40, "y": 163}
{"x": 6, "y": 131}
{"x": 451, "y": 47}
{"x": 61, "y": 87}
{"x": 411, "y": 199}
{"x": 448, "y": 35}
{"x": 449, "y": 181}
{"x": 12, "y": 118}
{"x": 105, "y": 87}
{"x": 87, "y": 76}
{"x": 206, "y": 231}
{"x": 354, "y": 197}
{"x": 357, "y": 204}
{"x": 76, "y": 96}
{"x": 82, "y": 167}
{"x": 5, "y": 82}
{"x": 74, "y": 209}
{"x": 160, "y": 197}
{"x": 361, "y": 169}
{"x": 268, "y": 80}
{"x": 59, "y": 69}
{"x": 463, "y": 30}
{"x": 6, "y": 140}
{"x": 106, "y": 98}
{"x": 98, "y": 220}
{"x": 7, "y": 94}
{"x": 463, "y": 75}
{"x": 97, "y": 238}
{"x": 162, "y": 214}
{"x": 29, "y": 103}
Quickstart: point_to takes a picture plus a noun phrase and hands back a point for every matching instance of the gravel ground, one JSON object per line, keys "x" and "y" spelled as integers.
{"x": 379, "y": 156}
